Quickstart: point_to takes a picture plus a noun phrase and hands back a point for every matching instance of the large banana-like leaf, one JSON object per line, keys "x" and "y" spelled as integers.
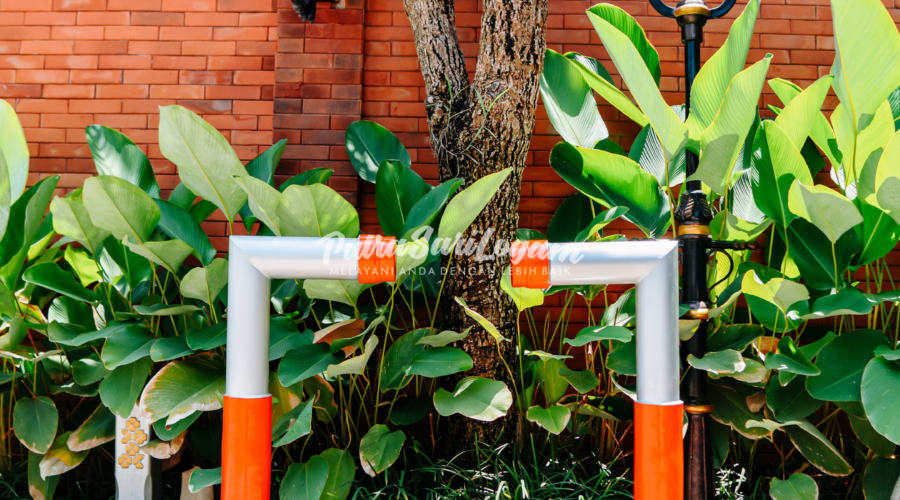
{"x": 465, "y": 207}
{"x": 14, "y": 150}
{"x": 607, "y": 90}
{"x": 860, "y": 147}
{"x": 670, "y": 129}
{"x": 369, "y": 144}
{"x": 179, "y": 224}
{"x": 262, "y": 168}
{"x": 397, "y": 189}
{"x": 801, "y": 112}
{"x": 25, "y": 218}
{"x": 569, "y": 102}
{"x": 714, "y": 77}
{"x": 117, "y": 155}
{"x": 867, "y": 58}
{"x": 316, "y": 210}
{"x": 71, "y": 218}
{"x": 615, "y": 181}
{"x": 183, "y": 387}
{"x": 169, "y": 254}
{"x": 120, "y": 207}
{"x": 821, "y": 132}
{"x": 5, "y": 195}
{"x": 627, "y": 25}
{"x": 206, "y": 162}
{"x": 777, "y": 163}
{"x": 827, "y": 209}
{"x": 721, "y": 142}
{"x": 875, "y": 176}
{"x": 263, "y": 200}
{"x": 648, "y": 153}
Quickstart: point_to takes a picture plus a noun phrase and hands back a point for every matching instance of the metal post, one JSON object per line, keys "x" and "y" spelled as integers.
{"x": 693, "y": 216}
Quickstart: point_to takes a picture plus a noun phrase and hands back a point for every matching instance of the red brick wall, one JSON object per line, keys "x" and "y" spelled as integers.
{"x": 65, "y": 64}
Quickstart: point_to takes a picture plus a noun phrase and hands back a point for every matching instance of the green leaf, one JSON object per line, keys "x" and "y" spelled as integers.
{"x": 865, "y": 72}
{"x": 263, "y": 200}
{"x": 867, "y": 434}
{"x": 117, "y": 260}
{"x": 50, "y": 276}
{"x": 583, "y": 381}
{"x": 293, "y": 425}
{"x": 671, "y": 131}
{"x": 444, "y": 338}
{"x": 623, "y": 359}
{"x": 622, "y": 21}
{"x": 821, "y": 132}
{"x": 736, "y": 337}
{"x": 25, "y": 219}
{"x": 178, "y": 223}
{"x": 356, "y": 365}
{"x": 843, "y": 362}
{"x": 316, "y": 210}
{"x": 778, "y": 163}
{"x": 117, "y": 155}
{"x": 341, "y": 470}
{"x": 439, "y": 362}
{"x": 730, "y": 408}
{"x": 40, "y": 488}
{"x": 71, "y": 218}
{"x": 201, "y": 478}
{"x": 99, "y": 428}
{"x": 313, "y": 176}
{"x": 169, "y": 348}
{"x": 169, "y": 254}
{"x": 481, "y": 320}
{"x": 802, "y": 112}
{"x": 127, "y": 346}
{"x": 791, "y": 401}
{"x": 816, "y": 448}
{"x": 719, "y": 362}
{"x": 880, "y": 388}
{"x": 207, "y": 338}
{"x": 183, "y": 387}
{"x": 796, "y": 487}
{"x": 206, "y": 162}
{"x": 554, "y": 419}
{"x": 569, "y": 103}
{"x": 790, "y": 358}
{"x": 597, "y": 333}
{"x": 648, "y": 153}
{"x": 343, "y": 291}
{"x": 615, "y": 181}
{"x": 304, "y": 362}
{"x": 14, "y": 150}
{"x": 379, "y": 449}
{"x": 283, "y": 337}
{"x": 723, "y": 140}
{"x": 120, "y": 207}
{"x": 60, "y": 459}
{"x": 780, "y": 292}
{"x": 304, "y": 481}
{"x": 424, "y": 212}
{"x": 467, "y": 205}
{"x": 120, "y": 390}
{"x": 716, "y": 75}
{"x": 15, "y": 334}
{"x": 397, "y": 190}
{"x": 475, "y": 397}
{"x": 84, "y": 266}
{"x": 602, "y": 83}
{"x": 205, "y": 283}
{"x": 410, "y": 410}
{"x": 602, "y": 220}
{"x": 522, "y": 297}
{"x": 831, "y": 212}
{"x": 821, "y": 264}
{"x": 394, "y": 371}
{"x": 170, "y": 432}
{"x": 881, "y": 478}
{"x": 369, "y": 144}
{"x": 35, "y": 422}
{"x": 574, "y": 214}
{"x": 847, "y": 301}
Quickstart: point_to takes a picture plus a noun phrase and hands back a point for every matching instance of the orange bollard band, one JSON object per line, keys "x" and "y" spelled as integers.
{"x": 530, "y": 264}
{"x": 658, "y": 452}
{"x": 377, "y": 259}
{"x": 247, "y": 448}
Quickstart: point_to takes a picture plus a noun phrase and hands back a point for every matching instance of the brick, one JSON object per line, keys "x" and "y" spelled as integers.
{"x": 208, "y": 48}
{"x": 288, "y": 45}
{"x": 95, "y": 106}
{"x": 288, "y": 105}
{"x": 120, "y": 121}
{"x": 103, "y": 18}
{"x": 254, "y": 78}
{"x": 66, "y": 120}
{"x": 235, "y": 63}
{"x": 253, "y": 107}
{"x": 79, "y": 5}
{"x": 122, "y": 91}
{"x": 10, "y": 90}
{"x": 49, "y": 18}
{"x": 154, "y": 48}
{"x": 251, "y": 137}
{"x": 179, "y": 62}
{"x": 21, "y": 62}
{"x": 70, "y": 62}
{"x": 205, "y": 77}
{"x": 232, "y": 92}
{"x": 331, "y": 107}
{"x": 246, "y": 6}
{"x": 241, "y": 34}
{"x": 69, "y": 91}
{"x": 26, "y": 32}
{"x": 176, "y": 92}
{"x": 96, "y": 76}
{"x": 125, "y": 62}
{"x": 207, "y": 107}
{"x": 26, "y": 5}
{"x": 157, "y": 18}
{"x": 77, "y": 33}
{"x": 303, "y": 60}
{"x": 787, "y": 12}
{"x": 348, "y": 61}
{"x": 388, "y": 34}
{"x": 146, "y": 106}
{"x": 132, "y": 33}
{"x": 13, "y": 18}
{"x": 346, "y": 91}
{"x": 150, "y": 76}
{"x": 268, "y": 19}
{"x": 333, "y": 46}
{"x": 135, "y": 5}
{"x": 40, "y": 105}
{"x": 210, "y": 19}
{"x": 47, "y": 47}
{"x": 796, "y": 42}
{"x": 189, "y": 5}
{"x": 291, "y": 31}
{"x": 100, "y": 48}
{"x": 391, "y": 94}
{"x": 255, "y": 48}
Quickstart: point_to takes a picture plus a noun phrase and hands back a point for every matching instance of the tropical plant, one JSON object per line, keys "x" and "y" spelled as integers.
{"x": 787, "y": 361}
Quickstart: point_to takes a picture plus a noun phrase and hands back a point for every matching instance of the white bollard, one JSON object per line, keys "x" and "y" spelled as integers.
{"x": 137, "y": 474}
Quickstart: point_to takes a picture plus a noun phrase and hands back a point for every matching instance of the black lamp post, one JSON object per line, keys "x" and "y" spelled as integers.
{"x": 694, "y": 215}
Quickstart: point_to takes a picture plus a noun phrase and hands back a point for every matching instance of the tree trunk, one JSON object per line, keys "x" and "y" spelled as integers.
{"x": 476, "y": 130}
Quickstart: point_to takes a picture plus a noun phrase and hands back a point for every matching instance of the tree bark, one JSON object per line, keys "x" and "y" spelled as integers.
{"x": 479, "y": 129}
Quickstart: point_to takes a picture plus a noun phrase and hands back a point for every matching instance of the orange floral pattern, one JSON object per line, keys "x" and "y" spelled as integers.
{"x": 132, "y": 437}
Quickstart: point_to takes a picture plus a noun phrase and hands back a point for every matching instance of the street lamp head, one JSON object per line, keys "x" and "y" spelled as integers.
{"x": 693, "y": 8}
